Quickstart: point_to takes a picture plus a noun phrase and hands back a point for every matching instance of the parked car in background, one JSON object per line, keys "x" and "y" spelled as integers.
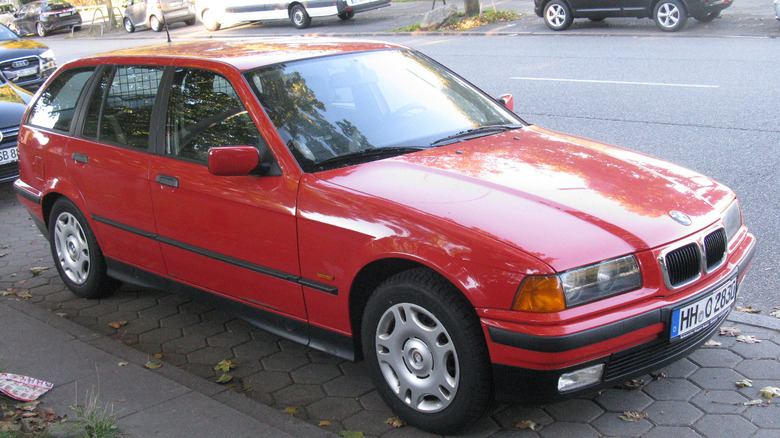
{"x": 218, "y": 13}
{"x": 365, "y": 200}
{"x": 13, "y": 103}
{"x": 154, "y": 14}
{"x": 45, "y": 16}
{"x": 669, "y": 15}
{"x": 26, "y": 62}
{"x": 7, "y": 13}
{"x": 777, "y": 9}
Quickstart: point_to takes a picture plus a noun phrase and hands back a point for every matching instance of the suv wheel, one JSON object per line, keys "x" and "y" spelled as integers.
{"x": 557, "y": 15}
{"x": 670, "y": 15}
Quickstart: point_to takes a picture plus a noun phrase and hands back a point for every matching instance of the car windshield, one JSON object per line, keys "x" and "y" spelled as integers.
{"x": 341, "y": 110}
{"x": 7, "y": 34}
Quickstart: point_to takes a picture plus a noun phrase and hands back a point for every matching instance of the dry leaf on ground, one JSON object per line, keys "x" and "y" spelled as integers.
{"x": 631, "y": 385}
{"x": 748, "y": 339}
{"x": 527, "y": 424}
{"x": 769, "y": 392}
{"x": 117, "y": 324}
{"x": 775, "y": 312}
{"x": 757, "y": 402}
{"x": 632, "y": 416}
{"x": 123, "y": 364}
{"x": 152, "y": 365}
{"x": 224, "y": 378}
{"x": 291, "y": 410}
{"x": 323, "y": 423}
{"x": 747, "y": 309}
{"x": 744, "y": 383}
{"x": 712, "y": 343}
{"x": 395, "y": 422}
{"x": 224, "y": 366}
{"x": 38, "y": 270}
{"x": 730, "y": 331}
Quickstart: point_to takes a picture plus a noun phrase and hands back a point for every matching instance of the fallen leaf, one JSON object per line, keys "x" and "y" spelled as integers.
{"x": 323, "y": 423}
{"x": 62, "y": 314}
{"x": 152, "y": 365}
{"x": 24, "y": 294}
{"x": 291, "y": 410}
{"x": 7, "y": 292}
{"x": 224, "y": 378}
{"x": 38, "y": 270}
{"x": 21, "y": 282}
{"x": 3, "y": 255}
{"x": 395, "y": 422}
{"x": 712, "y": 343}
{"x": 123, "y": 364}
{"x": 158, "y": 356}
{"x": 224, "y": 366}
{"x": 631, "y": 385}
{"x": 775, "y": 312}
{"x": 658, "y": 376}
{"x": 747, "y": 309}
{"x": 748, "y": 339}
{"x": 527, "y": 424}
{"x": 769, "y": 392}
{"x": 757, "y": 402}
{"x": 632, "y": 416}
{"x": 744, "y": 383}
{"x": 730, "y": 331}
{"x": 351, "y": 434}
{"x": 117, "y": 324}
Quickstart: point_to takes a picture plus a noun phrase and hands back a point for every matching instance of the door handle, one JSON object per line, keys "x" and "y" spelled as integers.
{"x": 80, "y": 158}
{"x": 168, "y": 180}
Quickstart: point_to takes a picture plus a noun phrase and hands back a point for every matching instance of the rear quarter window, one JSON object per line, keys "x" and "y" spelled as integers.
{"x": 56, "y": 107}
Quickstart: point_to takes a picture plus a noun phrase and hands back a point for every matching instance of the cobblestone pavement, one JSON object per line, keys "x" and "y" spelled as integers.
{"x": 694, "y": 397}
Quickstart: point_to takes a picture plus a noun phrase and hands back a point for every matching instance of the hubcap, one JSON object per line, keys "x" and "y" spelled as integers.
{"x": 556, "y": 15}
{"x": 417, "y": 357}
{"x": 72, "y": 248}
{"x": 668, "y": 15}
{"x": 298, "y": 17}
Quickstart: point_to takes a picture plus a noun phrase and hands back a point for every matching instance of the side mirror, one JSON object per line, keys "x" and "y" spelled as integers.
{"x": 508, "y": 101}
{"x": 233, "y": 160}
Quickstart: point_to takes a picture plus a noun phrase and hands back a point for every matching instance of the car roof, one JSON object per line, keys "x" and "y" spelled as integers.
{"x": 245, "y": 54}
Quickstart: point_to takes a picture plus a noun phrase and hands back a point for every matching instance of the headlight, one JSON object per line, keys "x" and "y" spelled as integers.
{"x": 48, "y": 55}
{"x": 553, "y": 293}
{"x": 732, "y": 220}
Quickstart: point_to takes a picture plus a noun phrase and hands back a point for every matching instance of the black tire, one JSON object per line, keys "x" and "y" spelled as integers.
{"x": 706, "y": 17}
{"x": 596, "y": 19}
{"x": 209, "y": 19}
{"x": 670, "y": 15}
{"x": 128, "y": 24}
{"x": 40, "y": 30}
{"x": 557, "y": 15}
{"x": 452, "y": 392}
{"x": 76, "y": 253}
{"x": 347, "y": 15}
{"x": 299, "y": 17}
{"x": 156, "y": 24}
{"x": 189, "y": 22}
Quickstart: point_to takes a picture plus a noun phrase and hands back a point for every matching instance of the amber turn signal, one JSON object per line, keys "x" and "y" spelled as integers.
{"x": 540, "y": 294}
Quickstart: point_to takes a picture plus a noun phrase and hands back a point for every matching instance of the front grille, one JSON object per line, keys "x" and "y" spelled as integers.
{"x": 9, "y": 171}
{"x": 683, "y": 264}
{"x": 646, "y": 357}
{"x": 715, "y": 247}
{"x": 20, "y": 64}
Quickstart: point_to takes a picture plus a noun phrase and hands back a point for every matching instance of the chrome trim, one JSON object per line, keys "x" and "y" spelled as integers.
{"x": 698, "y": 239}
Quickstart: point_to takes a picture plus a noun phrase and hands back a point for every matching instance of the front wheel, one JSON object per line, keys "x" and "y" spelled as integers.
{"x": 557, "y": 15}
{"x": 670, "y": 15}
{"x": 425, "y": 352}
{"x": 76, "y": 253}
{"x": 299, "y": 17}
{"x": 155, "y": 23}
{"x": 347, "y": 15}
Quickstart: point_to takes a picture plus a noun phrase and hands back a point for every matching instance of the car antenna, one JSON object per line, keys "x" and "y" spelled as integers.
{"x": 165, "y": 23}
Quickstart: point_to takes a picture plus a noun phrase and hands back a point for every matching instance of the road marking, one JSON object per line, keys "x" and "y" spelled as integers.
{"x": 658, "y": 84}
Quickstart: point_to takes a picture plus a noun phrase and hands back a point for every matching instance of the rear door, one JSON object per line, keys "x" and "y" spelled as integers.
{"x": 596, "y": 8}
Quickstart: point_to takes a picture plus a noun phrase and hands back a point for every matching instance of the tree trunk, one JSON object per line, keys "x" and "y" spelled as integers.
{"x": 111, "y": 17}
{"x": 472, "y": 7}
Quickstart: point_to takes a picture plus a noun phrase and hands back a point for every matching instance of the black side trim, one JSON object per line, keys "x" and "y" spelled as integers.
{"x": 27, "y": 195}
{"x": 222, "y": 258}
{"x": 560, "y": 344}
{"x": 289, "y": 328}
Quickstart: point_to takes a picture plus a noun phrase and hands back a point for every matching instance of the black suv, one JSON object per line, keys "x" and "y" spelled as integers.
{"x": 27, "y": 63}
{"x": 669, "y": 15}
{"x": 13, "y": 102}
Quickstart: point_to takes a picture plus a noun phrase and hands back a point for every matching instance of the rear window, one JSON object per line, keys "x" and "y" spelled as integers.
{"x": 56, "y": 106}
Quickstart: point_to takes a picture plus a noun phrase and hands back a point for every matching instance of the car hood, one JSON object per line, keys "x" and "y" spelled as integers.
{"x": 565, "y": 200}
{"x": 19, "y": 48}
{"x": 13, "y": 102}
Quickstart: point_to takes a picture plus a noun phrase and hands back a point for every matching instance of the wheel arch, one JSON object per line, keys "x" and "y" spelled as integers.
{"x": 291, "y": 6}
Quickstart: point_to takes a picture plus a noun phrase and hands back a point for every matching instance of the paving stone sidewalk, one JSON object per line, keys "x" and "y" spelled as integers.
{"x": 693, "y": 397}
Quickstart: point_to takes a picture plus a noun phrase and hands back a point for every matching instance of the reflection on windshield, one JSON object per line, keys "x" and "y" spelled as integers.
{"x": 339, "y": 105}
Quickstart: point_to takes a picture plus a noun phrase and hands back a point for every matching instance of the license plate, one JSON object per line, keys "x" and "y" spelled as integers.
{"x": 9, "y": 155}
{"x": 27, "y": 72}
{"x": 694, "y": 316}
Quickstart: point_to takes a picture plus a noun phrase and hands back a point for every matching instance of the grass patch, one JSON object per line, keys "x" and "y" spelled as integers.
{"x": 461, "y": 22}
{"x": 101, "y": 422}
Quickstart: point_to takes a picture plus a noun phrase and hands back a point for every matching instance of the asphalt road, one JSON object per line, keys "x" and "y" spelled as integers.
{"x": 707, "y": 103}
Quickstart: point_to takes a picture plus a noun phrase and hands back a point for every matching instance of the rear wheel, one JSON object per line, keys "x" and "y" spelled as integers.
{"x": 40, "y": 30}
{"x": 155, "y": 23}
{"x": 670, "y": 15}
{"x": 210, "y": 21}
{"x": 299, "y": 17}
{"x": 189, "y": 22}
{"x": 425, "y": 352}
{"x": 128, "y": 25}
{"x": 557, "y": 15}
{"x": 347, "y": 15}
{"x": 76, "y": 253}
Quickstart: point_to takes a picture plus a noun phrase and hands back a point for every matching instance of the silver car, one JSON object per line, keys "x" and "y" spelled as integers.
{"x": 155, "y": 13}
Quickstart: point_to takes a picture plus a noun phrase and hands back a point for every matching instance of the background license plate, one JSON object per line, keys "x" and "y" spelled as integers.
{"x": 689, "y": 318}
{"x": 8, "y": 155}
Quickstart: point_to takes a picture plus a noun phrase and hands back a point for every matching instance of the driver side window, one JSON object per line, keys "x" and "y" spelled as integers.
{"x": 204, "y": 111}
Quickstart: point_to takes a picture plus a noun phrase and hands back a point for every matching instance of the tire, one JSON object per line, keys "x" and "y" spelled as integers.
{"x": 670, "y": 15}
{"x": 189, "y": 22}
{"x": 128, "y": 25}
{"x": 557, "y": 15}
{"x": 426, "y": 353}
{"x": 156, "y": 24}
{"x": 210, "y": 21}
{"x": 76, "y": 253}
{"x": 707, "y": 16}
{"x": 299, "y": 17}
{"x": 347, "y": 15}
{"x": 596, "y": 19}
{"x": 40, "y": 30}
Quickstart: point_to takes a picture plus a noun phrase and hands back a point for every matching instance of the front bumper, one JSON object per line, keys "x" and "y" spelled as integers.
{"x": 527, "y": 367}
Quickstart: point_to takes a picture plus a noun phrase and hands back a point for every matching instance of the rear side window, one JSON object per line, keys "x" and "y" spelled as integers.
{"x": 56, "y": 106}
{"x": 120, "y": 109}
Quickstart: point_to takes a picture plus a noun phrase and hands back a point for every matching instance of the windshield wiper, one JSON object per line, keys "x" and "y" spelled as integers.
{"x": 373, "y": 153}
{"x": 479, "y": 131}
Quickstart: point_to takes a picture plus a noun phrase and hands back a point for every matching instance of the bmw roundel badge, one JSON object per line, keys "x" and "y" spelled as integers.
{"x": 680, "y": 217}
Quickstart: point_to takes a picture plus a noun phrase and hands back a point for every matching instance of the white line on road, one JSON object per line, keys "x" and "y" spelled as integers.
{"x": 658, "y": 84}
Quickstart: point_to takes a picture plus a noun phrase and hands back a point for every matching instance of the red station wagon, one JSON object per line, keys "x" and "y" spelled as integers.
{"x": 364, "y": 200}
